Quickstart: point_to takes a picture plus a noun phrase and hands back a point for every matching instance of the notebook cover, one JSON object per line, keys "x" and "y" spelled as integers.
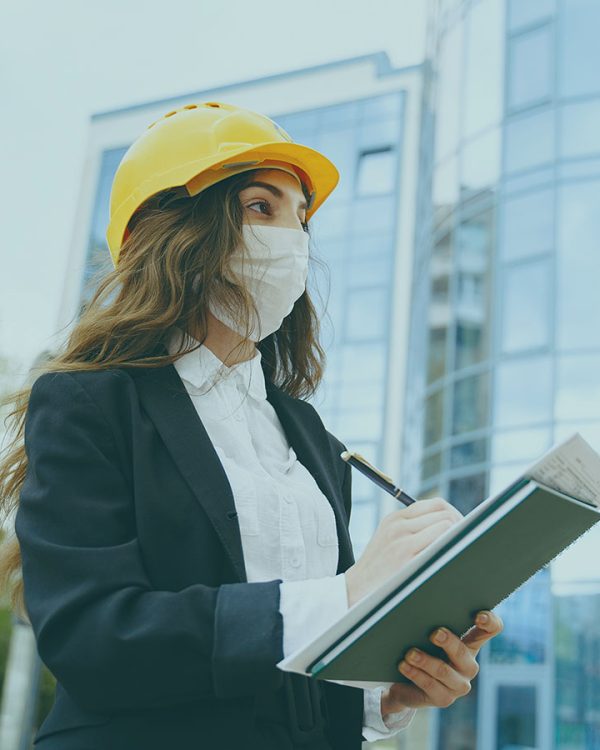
{"x": 480, "y": 577}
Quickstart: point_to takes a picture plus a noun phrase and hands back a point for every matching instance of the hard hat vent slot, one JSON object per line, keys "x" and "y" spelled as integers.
{"x": 212, "y": 104}
{"x": 191, "y": 106}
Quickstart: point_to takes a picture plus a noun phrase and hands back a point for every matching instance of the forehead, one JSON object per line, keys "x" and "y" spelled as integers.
{"x": 276, "y": 177}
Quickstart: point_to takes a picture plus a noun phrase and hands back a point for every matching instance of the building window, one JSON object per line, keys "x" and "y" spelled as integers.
{"x": 467, "y": 492}
{"x": 470, "y": 410}
{"x": 527, "y": 226}
{"x": 367, "y": 314}
{"x": 484, "y": 66}
{"x": 580, "y": 129}
{"x": 434, "y": 418}
{"x": 376, "y": 173}
{"x": 530, "y": 68}
{"x": 525, "y": 12}
{"x": 579, "y": 48}
{"x": 578, "y": 387}
{"x": 523, "y": 392}
{"x": 578, "y": 267}
{"x": 516, "y": 717}
{"x": 526, "y": 312}
{"x": 529, "y": 141}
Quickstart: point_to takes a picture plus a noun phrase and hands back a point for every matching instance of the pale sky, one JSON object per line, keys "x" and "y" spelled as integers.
{"x": 63, "y": 61}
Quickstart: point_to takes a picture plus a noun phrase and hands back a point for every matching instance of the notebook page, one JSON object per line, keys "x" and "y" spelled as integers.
{"x": 572, "y": 467}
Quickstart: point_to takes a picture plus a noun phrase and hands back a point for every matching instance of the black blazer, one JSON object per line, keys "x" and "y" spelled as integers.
{"x": 134, "y": 577}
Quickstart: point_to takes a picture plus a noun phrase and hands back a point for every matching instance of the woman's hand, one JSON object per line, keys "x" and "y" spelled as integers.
{"x": 436, "y": 682}
{"x": 400, "y": 536}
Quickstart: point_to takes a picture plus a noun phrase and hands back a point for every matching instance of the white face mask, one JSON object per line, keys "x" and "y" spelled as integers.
{"x": 274, "y": 272}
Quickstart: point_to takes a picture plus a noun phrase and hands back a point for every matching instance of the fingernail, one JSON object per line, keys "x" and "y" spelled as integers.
{"x": 483, "y": 618}
{"x": 440, "y": 635}
{"x": 414, "y": 654}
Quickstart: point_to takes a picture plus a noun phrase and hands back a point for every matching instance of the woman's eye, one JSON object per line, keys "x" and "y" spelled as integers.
{"x": 257, "y": 203}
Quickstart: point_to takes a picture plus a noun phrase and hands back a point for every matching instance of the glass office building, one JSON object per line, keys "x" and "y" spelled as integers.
{"x": 505, "y": 336}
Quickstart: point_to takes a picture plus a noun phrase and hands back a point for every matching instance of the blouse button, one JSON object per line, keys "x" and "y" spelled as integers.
{"x": 295, "y": 562}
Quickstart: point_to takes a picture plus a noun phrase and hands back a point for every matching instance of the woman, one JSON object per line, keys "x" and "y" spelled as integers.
{"x": 182, "y": 514}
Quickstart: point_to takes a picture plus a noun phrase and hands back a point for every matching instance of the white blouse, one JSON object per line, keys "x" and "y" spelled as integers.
{"x": 286, "y": 523}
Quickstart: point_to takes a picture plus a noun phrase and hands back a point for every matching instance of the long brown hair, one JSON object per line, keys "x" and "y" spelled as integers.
{"x": 174, "y": 258}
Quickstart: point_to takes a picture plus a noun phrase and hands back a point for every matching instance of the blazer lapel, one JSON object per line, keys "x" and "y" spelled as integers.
{"x": 172, "y": 411}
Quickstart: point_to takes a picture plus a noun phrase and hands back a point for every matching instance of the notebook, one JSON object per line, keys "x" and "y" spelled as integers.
{"x": 475, "y": 565}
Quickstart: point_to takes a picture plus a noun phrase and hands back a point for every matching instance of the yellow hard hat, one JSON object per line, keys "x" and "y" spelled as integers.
{"x": 200, "y": 144}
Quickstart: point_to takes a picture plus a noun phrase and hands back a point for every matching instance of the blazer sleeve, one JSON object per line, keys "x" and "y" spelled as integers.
{"x": 110, "y": 638}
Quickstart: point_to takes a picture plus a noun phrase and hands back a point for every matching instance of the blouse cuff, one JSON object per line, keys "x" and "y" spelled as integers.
{"x": 374, "y": 726}
{"x": 309, "y": 607}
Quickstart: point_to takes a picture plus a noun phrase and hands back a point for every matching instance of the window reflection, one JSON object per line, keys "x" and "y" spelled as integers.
{"x": 439, "y": 306}
{"x": 458, "y": 723}
{"x": 580, "y": 129}
{"x": 339, "y": 145}
{"x": 578, "y": 266}
{"x": 382, "y": 107}
{"x": 364, "y": 360}
{"x": 530, "y": 67}
{"x": 445, "y": 189}
{"x": 363, "y": 271}
{"x": 470, "y": 406}
{"x": 431, "y": 465}
{"x": 466, "y": 493}
{"x": 373, "y": 214}
{"x": 448, "y": 108}
{"x": 516, "y": 723}
{"x": 376, "y": 173}
{"x": 529, "y": 141}
{"x": 526, "y": 306}
{"x": 578, "y": 44}
{"x": 528, "y": 225}
{"x": 475, "y": 239}
{"x": 360, "y": 424}
{"x": 523, "y": 12}
{"x": 577, "y": 652}
{"x": 484, "y": 67}
{"x": 480, "y": 168}
{"x": 434, "y": 415}
{"x": 436, "y": 363}
{"x": 519, "y": 445}
{"x": 578, "y": 387}
{"x": 469, "y": 452}
{"x": 523, "y": 392}
{"x": 367, "y": 314}
{"x": 527, "y": 617}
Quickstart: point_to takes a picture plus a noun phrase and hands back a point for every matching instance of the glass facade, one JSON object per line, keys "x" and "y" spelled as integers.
{"x": 505, "y": 276}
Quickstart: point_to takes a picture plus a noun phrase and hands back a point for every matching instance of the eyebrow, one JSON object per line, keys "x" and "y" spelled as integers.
{"x": 275, "y": 190}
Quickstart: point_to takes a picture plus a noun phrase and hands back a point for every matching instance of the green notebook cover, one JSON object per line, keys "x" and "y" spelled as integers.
{"x": 492, "y": 564}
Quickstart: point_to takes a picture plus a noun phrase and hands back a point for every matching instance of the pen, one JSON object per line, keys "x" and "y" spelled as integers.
{"x": 380, "y": 479}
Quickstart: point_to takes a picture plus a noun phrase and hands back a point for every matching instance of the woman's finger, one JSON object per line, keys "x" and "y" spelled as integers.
{"x": 440, "y": 670}
{"x": 488, "y": 625}
{"x": 426, "y": 536}
{"x": 437, "y": 693}
{"x": 422, "y": 522}
{"x": 462, "y": 658}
